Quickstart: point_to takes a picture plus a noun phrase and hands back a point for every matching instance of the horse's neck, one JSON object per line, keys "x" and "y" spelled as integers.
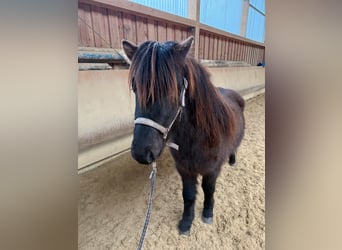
{"x": 186, "y": 123}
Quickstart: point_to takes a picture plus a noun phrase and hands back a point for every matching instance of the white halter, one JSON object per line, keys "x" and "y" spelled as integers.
{"x": 165, "y": 131}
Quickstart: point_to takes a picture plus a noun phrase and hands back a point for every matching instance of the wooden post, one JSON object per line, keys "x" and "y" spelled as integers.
{"x": 194, "y": 13}
{"x": 192, "y": 9}
{"x": 244, "y": 18}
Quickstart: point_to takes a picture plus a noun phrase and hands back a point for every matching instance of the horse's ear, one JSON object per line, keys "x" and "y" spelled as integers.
{"x": 129, "y": 49}
{"x": 184, "y": 46}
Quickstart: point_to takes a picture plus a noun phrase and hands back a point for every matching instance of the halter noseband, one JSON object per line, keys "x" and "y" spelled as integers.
{"x": 165, "y": 130}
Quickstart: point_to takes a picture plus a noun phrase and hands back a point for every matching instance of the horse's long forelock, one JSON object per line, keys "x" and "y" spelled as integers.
{"x": 153, "y": 69}
{"x": 154, "y": 73}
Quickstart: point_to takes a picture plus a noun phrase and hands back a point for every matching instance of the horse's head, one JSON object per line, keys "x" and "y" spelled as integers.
{"x": 157, "y": 78}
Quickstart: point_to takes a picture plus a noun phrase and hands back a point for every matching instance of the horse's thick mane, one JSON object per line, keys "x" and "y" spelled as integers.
{"x": 153, "y": 75}
{"x": 212, "y": 113}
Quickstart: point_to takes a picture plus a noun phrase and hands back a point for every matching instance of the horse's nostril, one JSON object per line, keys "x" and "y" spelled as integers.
{"x": 143, "y": 155}
{"x": 149, "y": 156}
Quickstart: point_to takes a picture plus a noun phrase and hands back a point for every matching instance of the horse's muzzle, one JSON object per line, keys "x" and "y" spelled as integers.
{"x": 144, "y": 155}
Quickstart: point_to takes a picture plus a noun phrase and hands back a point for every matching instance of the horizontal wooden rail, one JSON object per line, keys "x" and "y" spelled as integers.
{"x": 98, "y": 57}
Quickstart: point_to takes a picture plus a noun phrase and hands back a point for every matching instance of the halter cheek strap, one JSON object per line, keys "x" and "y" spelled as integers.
{"x": 165, "y": 131}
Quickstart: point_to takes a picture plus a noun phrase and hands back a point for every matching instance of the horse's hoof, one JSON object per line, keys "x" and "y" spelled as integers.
{"x": 185, "y": 233}
{"x": 232, "y": 160}
{"x": 207, "y": 220}
{"x": 232, "y": 164}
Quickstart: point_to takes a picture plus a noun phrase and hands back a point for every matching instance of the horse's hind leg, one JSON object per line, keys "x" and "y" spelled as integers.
{"x": 189, "y": 197}
{"x": 208, "y": 185}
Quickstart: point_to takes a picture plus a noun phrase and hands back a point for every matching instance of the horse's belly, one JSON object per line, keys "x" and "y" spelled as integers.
{"x": 201, "y": 161}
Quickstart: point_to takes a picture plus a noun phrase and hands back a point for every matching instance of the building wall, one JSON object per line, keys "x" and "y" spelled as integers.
{"x": 106, "y": 108}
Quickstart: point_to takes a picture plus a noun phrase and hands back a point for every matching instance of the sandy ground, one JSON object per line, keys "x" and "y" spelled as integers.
{"x": 113, "y": 199}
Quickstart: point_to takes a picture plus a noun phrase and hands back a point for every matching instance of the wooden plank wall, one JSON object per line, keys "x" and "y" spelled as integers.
{"x": 218, "y": 47}
{"x": 115, "y": 25}
{"x": 104, "y": 27}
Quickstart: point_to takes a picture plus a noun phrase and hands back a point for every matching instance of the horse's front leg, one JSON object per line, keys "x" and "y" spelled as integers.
{"x": 208, "y": 185}
{"x": 189, "y": 197}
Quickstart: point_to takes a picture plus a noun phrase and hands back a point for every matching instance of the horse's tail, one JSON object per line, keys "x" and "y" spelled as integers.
{"x": 241, "y": 102}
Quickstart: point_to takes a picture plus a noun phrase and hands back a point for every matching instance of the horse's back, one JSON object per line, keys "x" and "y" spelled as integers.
{"x": 232, "y": 97}
{"x": 235, "y": 101}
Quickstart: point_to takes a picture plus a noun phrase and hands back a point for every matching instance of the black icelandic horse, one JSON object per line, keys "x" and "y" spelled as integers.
{"x": 177, "y": 105}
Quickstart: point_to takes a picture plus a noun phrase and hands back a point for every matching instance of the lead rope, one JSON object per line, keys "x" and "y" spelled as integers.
{"x": 149, "y": 205}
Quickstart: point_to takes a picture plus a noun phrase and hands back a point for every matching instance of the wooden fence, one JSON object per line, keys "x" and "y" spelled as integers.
{"x": 104, "y": 23}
